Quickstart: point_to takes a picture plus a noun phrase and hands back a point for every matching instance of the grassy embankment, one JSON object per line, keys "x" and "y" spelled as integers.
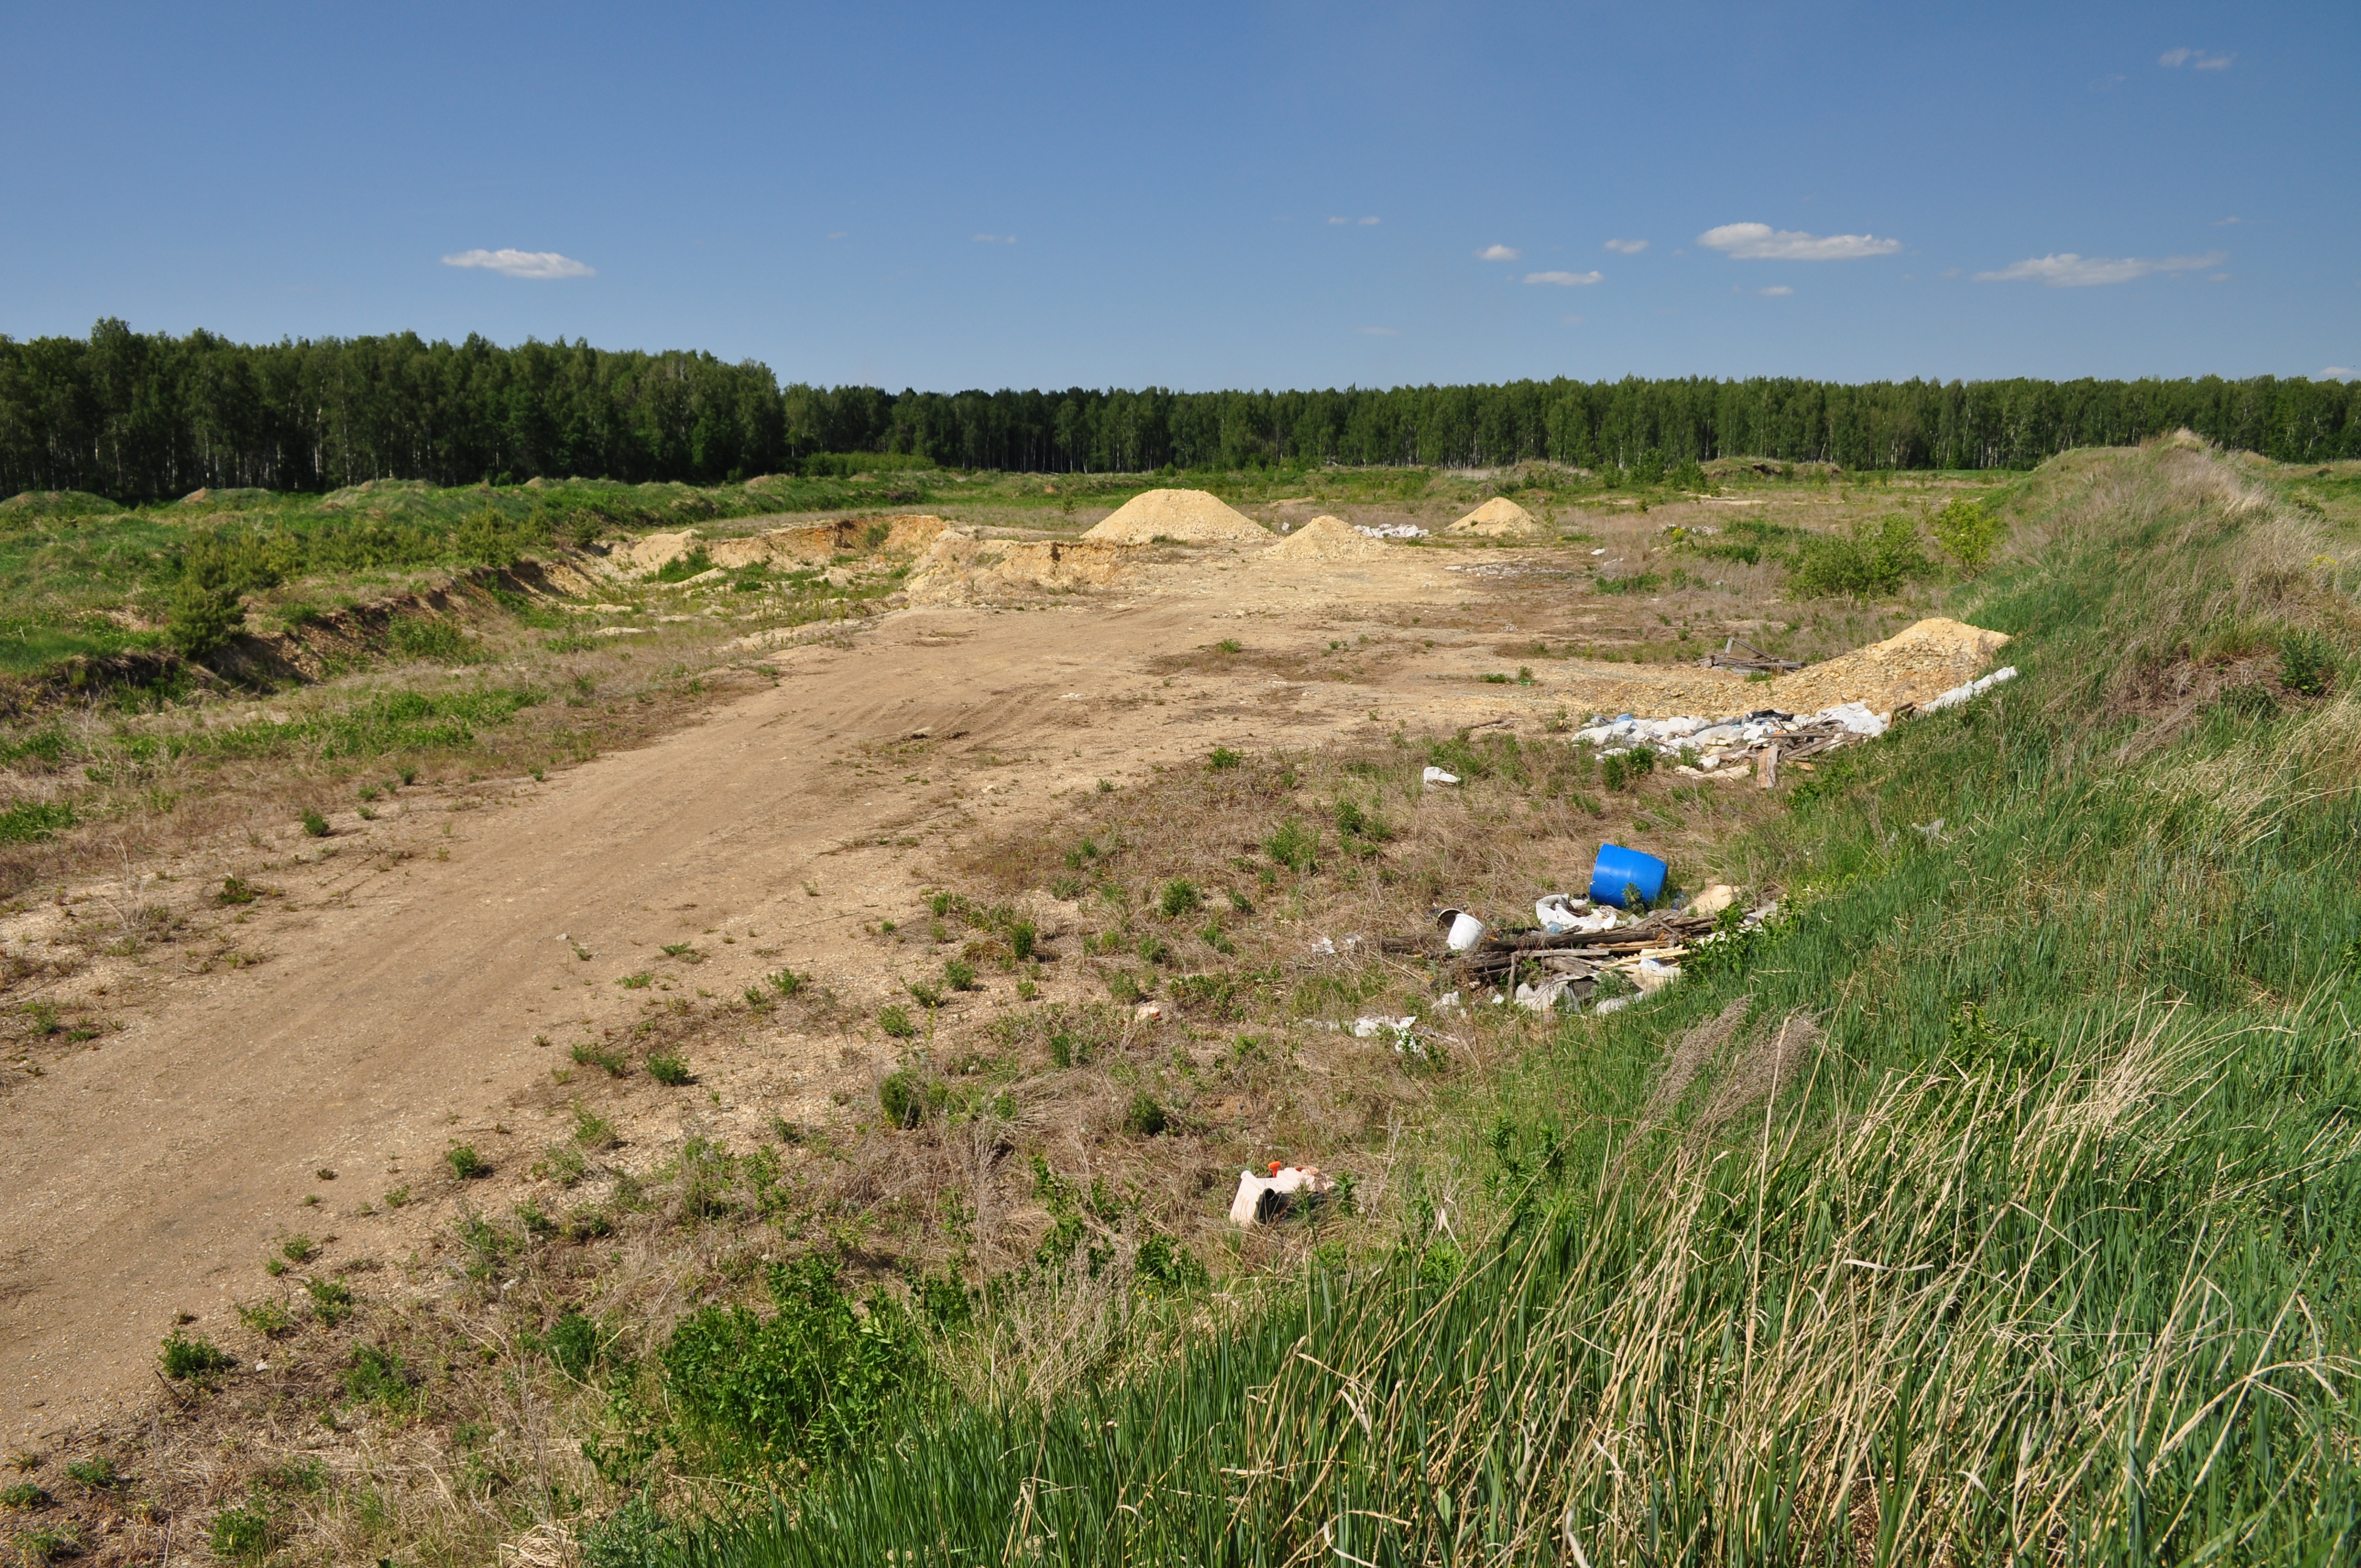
{"x": 2000, "y": 1206}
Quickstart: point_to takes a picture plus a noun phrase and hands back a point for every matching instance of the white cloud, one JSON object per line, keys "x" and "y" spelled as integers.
{"x": 2068, "y": 271}
{"x": 2227, "y": 223}
{"x": 2337, "y": 372}
{"x": 1569, "y": 320}
{"x": 1367, "y": 221}
{"x": 838, "y": 234}
{"x": 1760, "y": 242}
{"x": 1777, "y": 292}
{"x": 1499, "y": 253}
{"x": 2105, "y": 83}
{"x": 2215, "y": 62}
{"x": 1377, "y": 332}
{"x": 996, "y": 239}
{"x": 2172, "y": 57}
{"x": 1340, "y": 220}
{"x": 1566, "y": 279}
{"x": 2195, "y": 58}
{"x": 521, "y": 263}
{"x": 1627, "y": 246}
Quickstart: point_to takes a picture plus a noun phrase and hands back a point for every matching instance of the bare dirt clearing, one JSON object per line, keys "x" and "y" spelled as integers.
{"x": 415, "y": 982}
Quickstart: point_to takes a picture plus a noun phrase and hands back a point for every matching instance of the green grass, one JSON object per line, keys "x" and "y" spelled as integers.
{"x": 1999, "y": 1206}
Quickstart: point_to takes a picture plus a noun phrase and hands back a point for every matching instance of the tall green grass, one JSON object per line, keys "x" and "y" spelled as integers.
{"x": 1999, "y": 1206}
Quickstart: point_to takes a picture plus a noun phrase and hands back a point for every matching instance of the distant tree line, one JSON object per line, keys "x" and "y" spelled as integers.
{"x": 136, "y": 416}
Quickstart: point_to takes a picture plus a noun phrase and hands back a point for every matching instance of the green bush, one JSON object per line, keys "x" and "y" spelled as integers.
{"x": 1180, "y": 897}
{"x": 314, "y": 825}
{"x": 378, "y": 1376}
{"x": 2307, "y": 663}
{"x": 192, "y": 1357}
{"x": 204, "y": 611}
{"x": 792, "y": 1391}
{"x": 903, "y": 1097}
{"x": 1145, "y": 1116}
{"x": 668, "y": 1068}
{"x": 959, "y": 975}
{"x": 1224, "y": 758}
{"x": 242, "y": 1534}
{"x": 466, "y": 1163}
{"x": 332, "y": 1301}
{"x": 1866, "y": 560}
{"x": 894, "y": 1020}
{"x": 1294, "y": 846}
{"x": 572, "y": 1344}
{"x": 1968, "y": 534}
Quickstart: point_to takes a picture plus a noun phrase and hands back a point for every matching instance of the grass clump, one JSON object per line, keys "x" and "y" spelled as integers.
{"x": 466, "y": 1164}
{"x": 184, "y": 1356}
{"x": 669, "y": 1069}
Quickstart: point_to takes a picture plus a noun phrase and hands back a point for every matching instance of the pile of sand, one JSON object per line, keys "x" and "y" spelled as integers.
{"x": 1326, "y": 539}
{"x": 1498, "y": 518}
{"x": 1919, "y": 662}
{"x": 800, "y": 546}
{"x": 1189, "y": 517}
{"x": 959, "y": 568}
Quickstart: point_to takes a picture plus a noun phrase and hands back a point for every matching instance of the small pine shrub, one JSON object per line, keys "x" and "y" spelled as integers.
{"x": 1224, "y": 758}
{"x": 1294, "y": 846}
{"x": 315, "y": 825}
{"x": 465, "y": 1163}
{"x": 903, "y": 1097}
{"x": 668, "y": 1069}
{"x": 1179, "y": 897}
{"x": 1145, "y": 1117}
{"x": 184, "y": 1356}
{"x": 959, "y": 975}
{"x": 894, "y": 1020}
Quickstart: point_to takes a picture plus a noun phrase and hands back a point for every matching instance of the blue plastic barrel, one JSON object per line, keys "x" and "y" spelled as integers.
{"x": 1621, "y": 871}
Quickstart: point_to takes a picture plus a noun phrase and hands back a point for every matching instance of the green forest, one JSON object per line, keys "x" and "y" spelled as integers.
{"x": 137, "y": 416}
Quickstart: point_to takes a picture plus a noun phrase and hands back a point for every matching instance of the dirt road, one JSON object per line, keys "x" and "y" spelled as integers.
{"x": 407, "y": 971}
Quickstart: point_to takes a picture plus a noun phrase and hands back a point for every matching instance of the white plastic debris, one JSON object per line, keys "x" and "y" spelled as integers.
{"x": 1435, "y": 775}
{"x": 1460, "y": 929}
{"x": 1262, "y": 1199}
{"x": 1973, "y": 689}
{"x": 1613, "y": 1004}
{"x": 1855, "y": 717}
{"x": 1390, "y": 530}
{"x": 1652, "y": 974}
{"x": 1557, "y": 912}
{"x": 1545, "y": 996}
{"x": 1713, "y": 899}
{"x": 1149, "y": 1012}
{"x": 1371, "y": 1027}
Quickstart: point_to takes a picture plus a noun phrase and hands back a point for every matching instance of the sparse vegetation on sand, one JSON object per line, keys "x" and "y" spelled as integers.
{"x": 1994, "y": 1203}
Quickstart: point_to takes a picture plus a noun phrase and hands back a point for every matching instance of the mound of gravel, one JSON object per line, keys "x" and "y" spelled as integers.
{"x": 1327, "y": 539}
{"x": 1497, "y": 517}
{"x": 1191, "y": 517}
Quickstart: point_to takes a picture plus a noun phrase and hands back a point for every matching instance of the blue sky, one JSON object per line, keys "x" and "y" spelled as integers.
{"x": 1299, "y": 194}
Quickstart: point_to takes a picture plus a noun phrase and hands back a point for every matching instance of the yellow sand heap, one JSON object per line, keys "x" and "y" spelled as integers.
{"x": 1326, "y": 539}
{"x": 1497, "y": 517}
{"x": 1187, "y": 517}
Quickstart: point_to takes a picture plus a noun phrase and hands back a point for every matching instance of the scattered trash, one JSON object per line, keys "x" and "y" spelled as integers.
{"x": 1546, "y": 996}
{"x": 1713, "y": 899}
{"x": 1559, "y": 915}
{"x": 1618, "y": 873}
{"x": 1149, "y": 1012}
{"x": 1932, "y": 831}
{"x": 1973, "y": 689}
{"x": 1390, "y": 530}
{"x": 1460, "y": 929}
{"x": 1263, "y": 1199}
{"x": 1653, "y": 975}
{"x": 1753, "y": 659}
{"x": 1447, "y": 1002}
{"x": 1613, "y": 1004}
{"x": 1435, "y": 775}
{"x": 1371, "y": 1027}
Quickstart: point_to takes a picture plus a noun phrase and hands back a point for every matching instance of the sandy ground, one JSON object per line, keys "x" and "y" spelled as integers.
{"x": 419, "y": 975}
